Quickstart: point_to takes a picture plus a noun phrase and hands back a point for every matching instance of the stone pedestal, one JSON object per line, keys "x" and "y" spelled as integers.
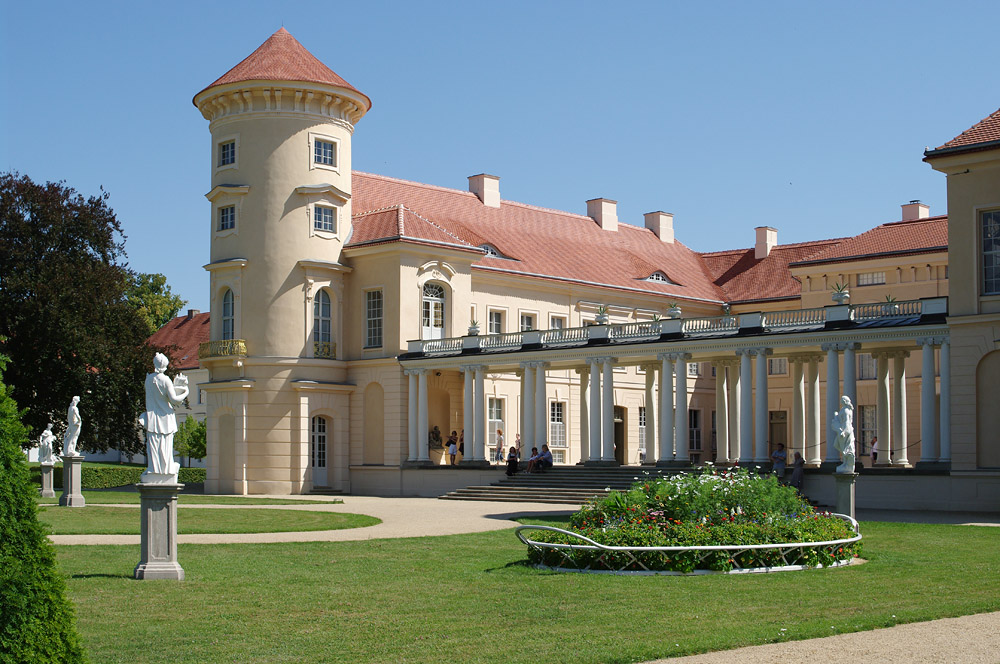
{"x": 47, "y": 490}
{"x": 71, "y": 493}
{"x": 158, "y": 548}
{"x": 845, "y": 493}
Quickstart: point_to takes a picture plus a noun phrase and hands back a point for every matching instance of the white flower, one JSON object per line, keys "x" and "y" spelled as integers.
{"x": 607, "y": 488}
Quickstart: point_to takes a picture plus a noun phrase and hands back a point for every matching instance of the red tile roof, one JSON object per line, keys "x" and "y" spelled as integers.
{"x": 538, "y": 242}
{"x": 744, "y": 278}
{"x": 283, "y": 58}
{"x": 398, "y": 223}
{"x": 184, "y": 334}
{"x": 986, "y": 130}
{"x": 919, "y": 236}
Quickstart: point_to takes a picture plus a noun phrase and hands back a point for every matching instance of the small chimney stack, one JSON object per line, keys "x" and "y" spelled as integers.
{"x": 767, "y": 239}
{"x": 605, "y": 212}
{"x": 192, "y": 313}
{"x": 915, "y": 210}
{"x": 487, "y": 188}
{"x": 662, "y": 225}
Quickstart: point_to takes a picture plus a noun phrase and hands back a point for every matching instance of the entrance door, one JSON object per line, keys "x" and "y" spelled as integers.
{"x": 620, "y": 456}
{"x": 432, "y": 312}
{"x": 777, "y": 431}
{"x": 317, "y": 451}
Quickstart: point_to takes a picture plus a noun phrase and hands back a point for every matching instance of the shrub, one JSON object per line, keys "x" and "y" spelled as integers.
{"x": 36, "y": 619}
{"x": 709, "y": 508}
{"x": 108, "y": 477}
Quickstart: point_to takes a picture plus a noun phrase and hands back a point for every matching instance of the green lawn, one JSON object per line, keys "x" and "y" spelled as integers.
{"x": 132, "y": 497}
{"x": 125, "y": 520}
{"x": 470, "y": 598}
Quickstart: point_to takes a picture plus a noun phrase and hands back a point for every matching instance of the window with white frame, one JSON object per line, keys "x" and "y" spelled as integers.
{"x": 322, "y": 325}
{"x": 373, "y": 319}
{"x": 325, "y": 218}
{"x": 557, "y": 424}
{"x": 871, "y": 278}
{"x": 777, "y": 366}
{"x": 227, "y": 153}
{"x": 990, "y": 224}
{"x": 527, "y": 322}
{"x": 324, "y": 152}
{"x": 694, "y": 368}
{"x": 317, "y": 447}
{"x": 642, "y": 433}
{"x": 867, "y": 367}
{"x": 558, "y": 456}
{"x": 227, "y": 217}
{"x": 494, "y": 420}
{"x": 227, "y": 315}
{"x": 867, "y": 427}
{"x": 557, "y": 322}
{"x": 432, "y": 311}
{"x": 659, "y": 277}
{"x": 495, "y": 322}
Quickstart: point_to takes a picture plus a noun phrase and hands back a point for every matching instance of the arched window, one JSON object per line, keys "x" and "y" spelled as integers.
{"x": 227, "y": 315}
{"x": 433, "y": 311}
{"x": 660, "y": 277}
{"x": 317, "y": 450}
{"x": 322, "y": 325}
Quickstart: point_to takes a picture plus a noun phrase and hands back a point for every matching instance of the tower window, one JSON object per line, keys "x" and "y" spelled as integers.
{"x": 227, "y": 217}
{"x": 325, "y": 152}
{"x": 991, "y": 252}
{"x": 227, "y": 153}
{"x": 325, "y": 218}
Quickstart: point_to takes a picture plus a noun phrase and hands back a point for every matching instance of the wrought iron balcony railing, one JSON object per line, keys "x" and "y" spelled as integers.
{"x": 326, "y": 350}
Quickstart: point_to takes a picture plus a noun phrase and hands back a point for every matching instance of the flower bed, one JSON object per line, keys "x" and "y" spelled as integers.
{"x": 709, "y": 521}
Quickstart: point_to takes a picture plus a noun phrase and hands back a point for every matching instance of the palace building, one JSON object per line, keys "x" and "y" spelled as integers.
{"x": 352, "y": 313}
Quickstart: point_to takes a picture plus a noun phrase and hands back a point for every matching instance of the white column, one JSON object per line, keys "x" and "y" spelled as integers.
{"x": 812, "y": 413}
{"x": 528, "y": 404}
{"x": 798, "y": 409}
{"x": 721, "y": 413}
{"x": 734, "y": 410}
{"x": 468, "y": 411}
{"x": 681, "y": 444}
{"x": 851, "y": 383}
{"x": 541, "y": 407}
{"x": 928, "y": 430}
{"x": 746, "y": 406}
{"x": 608, "y": 412}
{"x": 945, "y": 401}
{"x": 832, "y": 398}
{"x": 650, "y": 413}
{"x": 423, "y": 429}
{"x": 666, "y": 407}
{"x": 898, "y": 418}
{"x": 411, "y": 412}
{"x": 595, "y": 428}
{"x": 479, "y": 413}
{"x": 761, "y": 419}
{"x": 522, "y": 425}
{"x": 882, "y": 406}
{"x": 584, "y": 414}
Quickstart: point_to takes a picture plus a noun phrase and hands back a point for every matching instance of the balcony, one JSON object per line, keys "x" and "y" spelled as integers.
{"x": 222, "y": 348}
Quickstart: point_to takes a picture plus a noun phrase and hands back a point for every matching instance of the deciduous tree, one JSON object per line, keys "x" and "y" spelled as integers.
{"x": 150, "y": 294}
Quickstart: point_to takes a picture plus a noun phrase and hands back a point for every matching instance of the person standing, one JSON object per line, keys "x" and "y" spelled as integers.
{"x": 798, "y": 471}
{"x": 453, "y": 446}
{"x": 499, "y": 445}
{"x": 778, "y": 458}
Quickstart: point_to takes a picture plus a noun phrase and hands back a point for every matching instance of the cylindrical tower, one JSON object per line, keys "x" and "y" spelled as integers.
{"x": 281, "y": 124}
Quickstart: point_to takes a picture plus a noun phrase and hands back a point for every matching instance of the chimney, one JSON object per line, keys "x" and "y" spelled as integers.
{"x": 605, "y": 212}
{"x": 767, "y": 238}
{"x": 915, "y": 210}
{"x": 192, "y": 313}
{"x": 487, "y": 188}
{"x": 662, "y": 225}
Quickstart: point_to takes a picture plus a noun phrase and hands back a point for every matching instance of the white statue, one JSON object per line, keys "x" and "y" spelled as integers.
{"x": 843, "y": 424}
{"x": 73, "y": 422}
{"x": 45, "y": 447}
{"x": 162, "y": 396}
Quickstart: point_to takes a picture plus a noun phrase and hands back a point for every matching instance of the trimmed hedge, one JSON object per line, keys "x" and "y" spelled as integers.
{"x": 36, "y": 618}
{"x": 109, "y": 477}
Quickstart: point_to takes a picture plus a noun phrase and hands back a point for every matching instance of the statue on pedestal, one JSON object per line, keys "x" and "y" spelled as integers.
{"x": 843, "y": 425}
{"x": 45, "y": 447}
{"x": 73, "y": 423}
{"x": 160, "y": 422}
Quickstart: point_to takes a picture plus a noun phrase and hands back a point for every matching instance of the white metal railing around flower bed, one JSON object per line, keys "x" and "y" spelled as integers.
{"x": 501, "y": 341}
{"x": 564, "y": 336}
{"x": 438, "y": 346}
{"x": 786, "y": 552}
{"x": 710, "y": 325}
{"x": 795, "y": 318}
{"x": 635, "y": 331}
{"x": 877, "y": 310}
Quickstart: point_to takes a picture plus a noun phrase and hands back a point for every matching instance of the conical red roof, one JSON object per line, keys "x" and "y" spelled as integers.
{"x": 283, "y": 58}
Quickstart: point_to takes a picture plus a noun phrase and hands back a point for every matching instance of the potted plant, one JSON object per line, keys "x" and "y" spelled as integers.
{"x": 727, "y": 311}
{"x": 840, "y": 293}
{"x": 890, "y": 307}
{"x": 602, "y": 315}
{"x": 473, "y": 328}
{"x": 674, "y": 311}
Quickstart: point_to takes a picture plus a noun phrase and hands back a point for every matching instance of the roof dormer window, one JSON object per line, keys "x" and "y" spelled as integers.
{"x": 491, "y": 251}
{"x": 659, "y": 277}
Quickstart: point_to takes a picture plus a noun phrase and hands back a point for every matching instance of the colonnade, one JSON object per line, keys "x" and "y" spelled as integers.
{"x": 741, "y": 405}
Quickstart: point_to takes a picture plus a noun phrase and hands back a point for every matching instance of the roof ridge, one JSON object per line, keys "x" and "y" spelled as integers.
{"x": 775, "y": 247}
{"x": 939, "y": 217}
{"x": 432, "y": 223}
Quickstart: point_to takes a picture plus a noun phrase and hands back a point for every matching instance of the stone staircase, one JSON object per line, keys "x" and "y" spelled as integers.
{"x": 563, "y": 485}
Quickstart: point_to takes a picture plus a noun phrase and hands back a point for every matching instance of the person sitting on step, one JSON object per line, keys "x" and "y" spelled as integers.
{"x": 544, "y": 460}
{"x": 533, "y": 460}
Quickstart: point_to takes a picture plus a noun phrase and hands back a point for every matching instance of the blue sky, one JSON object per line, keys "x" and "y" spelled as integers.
{"x": 808, "y": 117}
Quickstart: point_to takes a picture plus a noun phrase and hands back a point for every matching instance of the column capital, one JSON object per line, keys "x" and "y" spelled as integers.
{"x": 418, "y": 372}
{"x": 932, "y": 341}
{"x": 852, "y": 345}
{"x": 900, "y": 353}
{"x": 835, "y": 346}
{"x": 465, "y": 368}
{"x": 665, "y": 356}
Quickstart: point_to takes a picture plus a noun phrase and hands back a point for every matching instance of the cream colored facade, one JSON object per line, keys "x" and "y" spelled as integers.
{"x": 271, "y": 379}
